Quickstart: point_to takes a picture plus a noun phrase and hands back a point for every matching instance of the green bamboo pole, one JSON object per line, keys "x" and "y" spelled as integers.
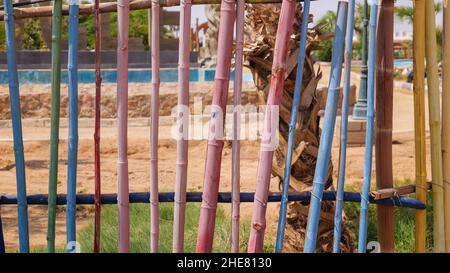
{"x": 419, "y": 121}
{"x": 54, "y": 133}
{"x": 446, "y": 122}
{"x": 435, "y": 127}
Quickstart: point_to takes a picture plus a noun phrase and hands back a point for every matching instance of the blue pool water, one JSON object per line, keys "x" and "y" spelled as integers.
{"x": 403, "y": 63}
{"x": 110, "y": 76}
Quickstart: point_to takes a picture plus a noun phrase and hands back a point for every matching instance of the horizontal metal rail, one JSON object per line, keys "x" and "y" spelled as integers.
{"x": 223, "y": 197}
{"x": 32, "y": 2}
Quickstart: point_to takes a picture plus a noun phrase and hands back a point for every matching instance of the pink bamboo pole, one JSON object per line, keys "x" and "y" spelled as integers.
{"x": 154, "y": 202}
{"x": 258, "y": 225}
{"x": 122, "y": 120}
{"x": 98, "y": 86}
{"x": 235, "y": 150}
{"x": 183, "y": 124}
{"x": 216, "y": 127}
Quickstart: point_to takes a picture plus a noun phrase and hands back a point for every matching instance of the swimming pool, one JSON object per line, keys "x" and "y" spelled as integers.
{"x": 403, "y": 63}
{"x": 110, "y": 76}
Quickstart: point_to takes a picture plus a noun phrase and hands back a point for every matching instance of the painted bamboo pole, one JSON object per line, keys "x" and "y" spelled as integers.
{"x": 270, "y": 126}
{"x": 364, "y": 214}
{"x": 435, "y": 127}
{"x": 384, "y": 120}
{"x": 236, "y": 146}
{"x": 183, "y": 125}
{"x": 72, "y": 68}
{"x": 13, "y": 81}
{"x": 54, "y": 133}
{"x": 2, "y": 240}
{"x": 98, "y": 86}
{"x": 122, "y": 121}
{"x": 154, "y": 207}
{"x": 344, "y": 124}
{"x": 419, "y": 120}
{"x": 446, "y": 121}
{"x": 292, "y": 125}
{"x": 327, "y": 129}
{"x": 216, "y": 128}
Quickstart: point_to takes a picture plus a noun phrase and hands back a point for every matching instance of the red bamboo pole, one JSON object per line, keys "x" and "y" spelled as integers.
{"x": 122, "y": 120}
{"x": 98, "y": 83}
{"x": 384, "y": 119}
{"x": 235, "y": 172}
{"x": 216, "y": 128}
{"x": 258, "y": 225}
{"x": 154, "y": 202}
{"x": 183, "y": 122}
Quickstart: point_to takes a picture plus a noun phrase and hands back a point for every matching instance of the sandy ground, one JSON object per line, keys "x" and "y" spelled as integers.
{"x": 37, "y": 155}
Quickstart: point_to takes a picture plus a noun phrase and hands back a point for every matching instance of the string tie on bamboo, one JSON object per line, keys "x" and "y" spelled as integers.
{"x": 207, "y": 205}
{"x": 396, "y": 196}
{"x": 262, "y": 202}
{"x": 365, "y": 199}
{"x": 180, "y": 202}
{"x": 418, "y": 186}
{"x": 437, "y": 185}
{"x": 154, "y": 202}
{"x": 320, "y": 184}
{"x": 123, "y": 5}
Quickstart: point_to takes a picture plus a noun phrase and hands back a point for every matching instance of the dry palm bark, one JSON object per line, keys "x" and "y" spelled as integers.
{"x": 261, "y": 27}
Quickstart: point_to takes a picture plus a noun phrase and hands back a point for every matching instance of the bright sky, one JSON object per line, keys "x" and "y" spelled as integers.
{"x": 318, "y": 9}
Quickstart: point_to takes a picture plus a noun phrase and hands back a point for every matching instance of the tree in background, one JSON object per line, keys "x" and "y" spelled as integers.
{"x": 2, "y": 39}
{"x": 405, "y": 13}
{"x": 32, "y": 35}
{"x": 138, "y": 25}
{"x": 328, "y": 24}
{"x": 32, "y": 38}
{"x": 261, "y": 29}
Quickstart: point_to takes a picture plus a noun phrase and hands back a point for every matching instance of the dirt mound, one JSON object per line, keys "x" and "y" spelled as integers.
{"x": 39, "y": 105}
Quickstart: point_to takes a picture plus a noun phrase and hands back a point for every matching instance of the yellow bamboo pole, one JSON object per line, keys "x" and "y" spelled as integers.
{"x": 419, "y": 120}
{"x": 435, "y": 127}
{"x": 446, "y": 122}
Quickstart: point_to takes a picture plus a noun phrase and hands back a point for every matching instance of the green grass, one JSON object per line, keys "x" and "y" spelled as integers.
{"x": 404, "y": 221}
{"x": 404, "y": 226}
{"x": 140, "y": 229}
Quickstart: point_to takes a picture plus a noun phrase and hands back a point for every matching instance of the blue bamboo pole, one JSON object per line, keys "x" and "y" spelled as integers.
{"x": 328, "y": 128}
{"x": 344, "y": 123}
{"x": 72, "y": 68}
{"x": 292, "y": 124}
{"x": 222, "y": 197}
{"x": 17, "y": 127}
{"x": 369, "y": 128}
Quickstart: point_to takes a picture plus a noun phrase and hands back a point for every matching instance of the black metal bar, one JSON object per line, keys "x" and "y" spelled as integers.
{"x": 223, "y": 197}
